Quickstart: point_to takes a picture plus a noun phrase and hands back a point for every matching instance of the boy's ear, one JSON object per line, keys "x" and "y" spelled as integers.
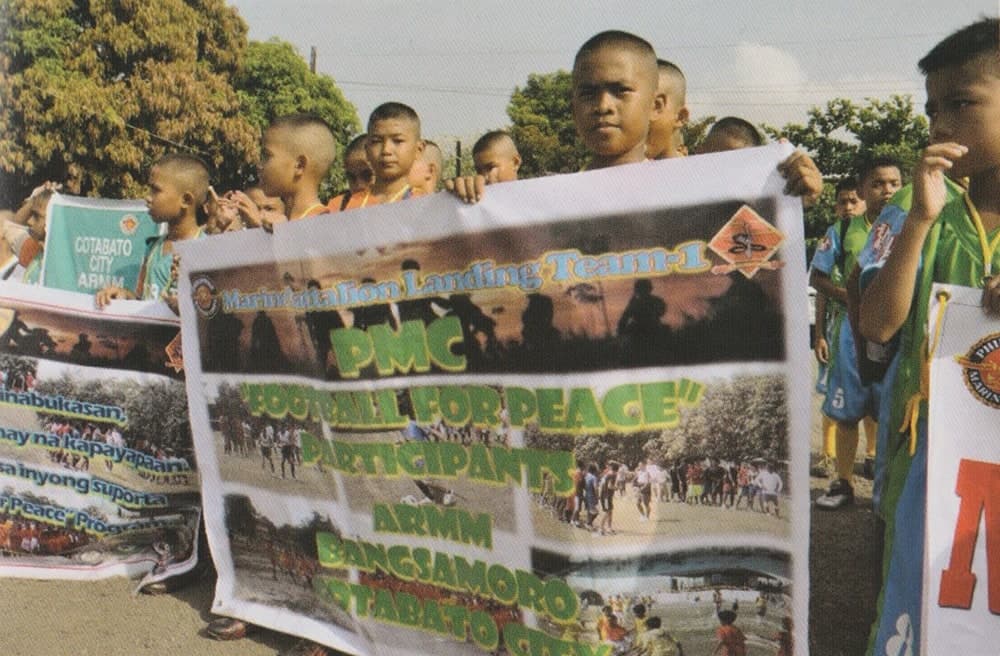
{"x": 683, "y": 116}
{"x": 517, "y": 161}
{"x": 421, "y": 144}
{"x": 187, "y": 198}
{"x": 301, "y": 165}
{"x": 659, "y": 105}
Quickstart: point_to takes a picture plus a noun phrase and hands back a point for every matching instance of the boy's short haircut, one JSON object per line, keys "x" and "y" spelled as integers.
{"x": 846, "y": 184}
{"x": 622, "y": 40}
{"x": 356, "y": 144}
{"x": 432, "y": 152}
{"x": 192, "y": 173}
{"x": 490, "y": 139}
{"x": 679, "y": 86}
{"x": 310, "y": 134}
{"x": 739, "y": 128}
{"x": 867, "y": 165}
{"x": 727, "y": 617}
{"x": 972, "y": 41}
{"x": 394, "y": 110}
{"x": 653, "y": 623}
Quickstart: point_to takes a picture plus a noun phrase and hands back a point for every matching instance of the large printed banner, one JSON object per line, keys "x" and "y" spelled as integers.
{"x": 443, "y": 429}
{"x": 962, "y": 559}
{"x": 97, "y": 475}
{"x": 92, "y": 243}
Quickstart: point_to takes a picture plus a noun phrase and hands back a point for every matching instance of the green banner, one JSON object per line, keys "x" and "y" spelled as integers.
{"x": 92, "y": 243}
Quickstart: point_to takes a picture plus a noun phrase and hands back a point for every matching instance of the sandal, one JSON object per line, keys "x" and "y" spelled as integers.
{"x": 227, "y": 628}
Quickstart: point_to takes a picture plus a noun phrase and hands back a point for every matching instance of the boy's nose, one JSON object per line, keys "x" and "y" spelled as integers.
{"x": 603, "y": 104}
{"x": 940, "y": 130}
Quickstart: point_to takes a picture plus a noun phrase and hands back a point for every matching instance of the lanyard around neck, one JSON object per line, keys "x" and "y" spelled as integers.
{"x": 988, "y": 247}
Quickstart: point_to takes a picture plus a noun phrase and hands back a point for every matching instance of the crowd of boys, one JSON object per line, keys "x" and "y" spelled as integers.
{"x": 628, "y": 107}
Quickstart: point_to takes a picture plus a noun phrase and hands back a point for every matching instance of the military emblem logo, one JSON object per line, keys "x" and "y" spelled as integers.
{"x": 747, "y": 243}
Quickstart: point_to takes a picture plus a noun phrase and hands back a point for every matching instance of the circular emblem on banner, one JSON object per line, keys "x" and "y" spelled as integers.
{"x": 981, "y": 370}
{"x": 128, "y": 224}
{"x": 205, "y": 299}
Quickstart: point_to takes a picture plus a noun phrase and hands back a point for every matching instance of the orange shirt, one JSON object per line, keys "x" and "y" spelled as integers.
{"x": 366, "y": 199}
{"x": 734, "y": 643}
{"x": 315, "y": 210}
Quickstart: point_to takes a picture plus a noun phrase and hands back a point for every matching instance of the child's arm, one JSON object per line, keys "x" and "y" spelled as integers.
{"x": 885, "y": 303}
{"x": 802, "y": 177}
{"x": 108, "y": 294}
{"x": 249, "y": 213}
{"x": 991, "y": 295}
{"x": 822, "y": 349}
{"x": 824, "y": 285}
{"x": 469, "y": 188}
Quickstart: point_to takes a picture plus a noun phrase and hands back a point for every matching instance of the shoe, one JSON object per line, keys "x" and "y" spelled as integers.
{"x": 868, "y": 470}
{"x": 158, "y": 588}
{"x": 227, "y": 628}
{"x": 307, "y": 648}
{"x": 839, "y": 494}
{"x": 822, "y": 467}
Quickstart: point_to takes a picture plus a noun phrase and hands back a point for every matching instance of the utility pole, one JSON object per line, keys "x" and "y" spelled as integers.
{"x": 458, "y": 158}
{"x": 312, "y": 59}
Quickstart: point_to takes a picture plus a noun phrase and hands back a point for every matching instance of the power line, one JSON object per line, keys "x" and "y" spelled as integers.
{"x": 471, "y": 91}
{"x": 459, "y": 51}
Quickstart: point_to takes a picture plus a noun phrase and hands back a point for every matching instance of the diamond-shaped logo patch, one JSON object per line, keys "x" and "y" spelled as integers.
{"x": 747, "y": 243}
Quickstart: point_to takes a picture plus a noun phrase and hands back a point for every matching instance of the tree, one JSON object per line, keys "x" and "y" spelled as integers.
{"x": 95, "y": 91}
{"x": 275, "y": 80}
{"x": 739, "y": 419}
{"x": 542, "y": 126}
{"x": 695, "y": 130}
{"x": 843, "y": 132}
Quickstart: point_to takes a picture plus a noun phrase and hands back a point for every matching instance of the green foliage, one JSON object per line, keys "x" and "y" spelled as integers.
{"x": 157, "y": 411}
{"x": 96, "y": 91}
{"x": 695, "y": 130}
{"x": 736, "y": 420}
{"x": 542, "y": 126}
{"x": 466, "y": 165}
{"x": 843, "y": 132}
{"x": 275, "y": 80}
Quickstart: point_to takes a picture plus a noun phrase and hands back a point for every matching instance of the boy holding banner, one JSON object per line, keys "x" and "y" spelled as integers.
{"x": 495, "y": 157}
{"x": 392, "y": 147}
{"x": 932, "y": 231}
{"x": 297, "y": 151}
{"x": 178, "y": 191}
{"x": 35, "y": 221}
{"x": 615, "y": 97}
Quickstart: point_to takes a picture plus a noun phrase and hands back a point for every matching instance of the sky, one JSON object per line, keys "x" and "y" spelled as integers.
{"x": 768, "y": 61}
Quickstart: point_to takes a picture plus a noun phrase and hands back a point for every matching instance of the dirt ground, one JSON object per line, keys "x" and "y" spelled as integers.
{"x": 62, "y": 618}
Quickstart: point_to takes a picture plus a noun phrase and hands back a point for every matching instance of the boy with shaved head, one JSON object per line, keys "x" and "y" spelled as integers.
{"x": 425, "y": 174}
{"x": 616, "y": 96}
{"x": 730, "y": 133}
{"x": 297, "y": 152}
{"x": 392, "y": 147}
{"x": 665, "y": 138}
{"x": 178, "y": 191}
{"x": 495, "y": 157}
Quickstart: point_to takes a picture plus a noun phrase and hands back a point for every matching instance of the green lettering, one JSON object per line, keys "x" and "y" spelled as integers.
{"x": 383, "y": 519}
{"x": 442, "y": 334}
{"x": 582, "y": 410}
{"x": 400, "y": 351}
{"x": 521, "y": 404}
{"x": 352, "y": 350}
{"x": 616, "y": 404}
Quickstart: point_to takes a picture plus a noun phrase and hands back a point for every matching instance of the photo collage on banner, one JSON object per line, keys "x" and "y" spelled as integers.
{"x": 97, "y": 466}
{"x": 511, "y": 427}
